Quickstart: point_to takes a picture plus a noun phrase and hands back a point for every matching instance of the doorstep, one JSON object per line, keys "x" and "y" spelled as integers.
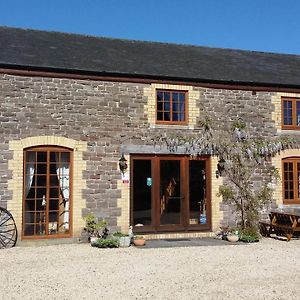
{"x": 177, "y": 235}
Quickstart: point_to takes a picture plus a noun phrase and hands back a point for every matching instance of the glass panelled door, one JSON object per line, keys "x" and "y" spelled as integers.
{"x": 170, "y": 193}
{"x": 142, "y": 192}
{"x": 47, "y": 192}
{"x": 198, "y": 205}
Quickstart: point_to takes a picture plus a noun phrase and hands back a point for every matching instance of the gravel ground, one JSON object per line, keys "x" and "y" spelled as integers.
{"x": 266, "y": 270}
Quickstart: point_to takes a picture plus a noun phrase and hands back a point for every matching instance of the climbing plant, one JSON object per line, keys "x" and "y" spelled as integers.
{"x": 244, "y": 163}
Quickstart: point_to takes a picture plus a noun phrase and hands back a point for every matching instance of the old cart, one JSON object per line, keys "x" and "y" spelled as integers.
{"x": 8, "y": 229}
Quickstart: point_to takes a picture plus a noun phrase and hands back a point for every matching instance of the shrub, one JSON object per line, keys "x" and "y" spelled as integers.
{"x": 249, "y": 235}
{"x": 106, "y": 243}
{"x": 119, "y": 234}
{"x": 92, "y": 226}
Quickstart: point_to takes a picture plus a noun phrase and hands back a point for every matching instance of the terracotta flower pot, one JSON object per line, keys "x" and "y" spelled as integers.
{"x": 139, "y": 242}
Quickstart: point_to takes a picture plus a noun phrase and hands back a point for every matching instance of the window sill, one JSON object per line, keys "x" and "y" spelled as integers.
{"x": 291, "y": 203}
{"x": 295, "y": 131}
{"x": 171, "y": 126}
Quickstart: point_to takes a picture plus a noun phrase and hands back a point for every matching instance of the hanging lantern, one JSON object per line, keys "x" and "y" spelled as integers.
{"x": 123, "y": 164}
{"x": 220, "y": 167}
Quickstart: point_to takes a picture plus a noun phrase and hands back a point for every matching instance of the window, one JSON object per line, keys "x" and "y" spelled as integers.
{"x": 291, "y": 180}
{"x": 47, "y": 192}
{"x": 291, "y": 113}
{"x": 171, "y": 107}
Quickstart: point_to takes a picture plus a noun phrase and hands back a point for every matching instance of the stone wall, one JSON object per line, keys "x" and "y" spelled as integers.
{"x": 106, "y": 115}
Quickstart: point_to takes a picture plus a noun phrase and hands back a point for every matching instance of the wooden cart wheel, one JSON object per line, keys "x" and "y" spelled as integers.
{"x": 8, "y": 229}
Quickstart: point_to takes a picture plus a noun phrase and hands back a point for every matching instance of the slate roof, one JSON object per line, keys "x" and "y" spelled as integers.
{"x": 42, "y": 50}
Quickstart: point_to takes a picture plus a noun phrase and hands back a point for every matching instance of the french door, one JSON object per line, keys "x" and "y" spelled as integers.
{"x": 170, "y": 193}
{"x": 47, "y": 192}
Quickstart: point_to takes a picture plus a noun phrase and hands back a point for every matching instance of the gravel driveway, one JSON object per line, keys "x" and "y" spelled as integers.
{"x": 266, "y": 270}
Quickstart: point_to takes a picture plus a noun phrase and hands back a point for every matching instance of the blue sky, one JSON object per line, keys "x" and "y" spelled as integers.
{"x": 263, "y": 25}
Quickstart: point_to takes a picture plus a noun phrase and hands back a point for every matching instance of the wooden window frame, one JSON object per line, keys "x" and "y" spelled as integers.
{"x": 294, "y": 161}
{"x": 48, "y": 149}
{"x": 171, "y": 122}
{"x": 294, "y": 125}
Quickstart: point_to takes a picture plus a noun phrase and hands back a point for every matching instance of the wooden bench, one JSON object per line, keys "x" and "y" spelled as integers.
{"x": 284, "y": 223}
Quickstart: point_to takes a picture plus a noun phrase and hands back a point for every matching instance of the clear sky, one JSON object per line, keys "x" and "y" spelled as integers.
{"x": 263, "y": 25}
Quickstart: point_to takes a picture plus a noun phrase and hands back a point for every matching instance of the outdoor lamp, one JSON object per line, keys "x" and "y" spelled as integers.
{"x": 123, "y": 164}
{"x": 220, "y": 167}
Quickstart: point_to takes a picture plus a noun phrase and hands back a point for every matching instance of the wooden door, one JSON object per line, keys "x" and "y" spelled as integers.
{"x": 47, "y": 192}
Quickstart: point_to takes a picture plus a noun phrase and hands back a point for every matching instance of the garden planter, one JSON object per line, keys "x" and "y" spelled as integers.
{"x": 124, "y": 241}
{"x": 93, "y": 239}
{"x": 232, "y": 238}
{"x": 139, "y": 242}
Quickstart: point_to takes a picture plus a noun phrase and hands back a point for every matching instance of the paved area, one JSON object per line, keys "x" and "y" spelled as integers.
{"x": 191, "y": 242}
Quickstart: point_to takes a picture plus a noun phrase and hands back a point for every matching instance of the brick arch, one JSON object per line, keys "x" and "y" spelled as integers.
{"x": 15, "y": 184}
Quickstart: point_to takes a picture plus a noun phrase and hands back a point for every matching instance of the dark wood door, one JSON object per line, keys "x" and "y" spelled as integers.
{"x": 170, "y": 193}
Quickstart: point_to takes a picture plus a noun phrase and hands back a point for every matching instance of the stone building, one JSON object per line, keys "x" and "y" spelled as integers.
{"x": 72, "y": 106}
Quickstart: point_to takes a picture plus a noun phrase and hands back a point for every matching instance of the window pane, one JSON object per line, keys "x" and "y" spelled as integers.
{"x": 166, "y": 116}
{"x": 159, "y": 96}
{"x": 30, "y": 156}
{"x": 160, "y": 116}
{"x": 298, "y": 113}
{"x": 53, "y": 204}
{"x": 53, "y": 168}
{"x": 159, "y": 105}
{"x": 175, "y": 106}
{"x": 40, "y": 192}
{"x": 181, "y": 117}
{"x": 181, "y": 97}
{"x": 41, "y": 168}
{"x": 41, "y": 156}
{"x": 175, "y": 97}
{"x": 54, "y": 192}
{"x": 142, "y": 192}
{"x": 287, "y": 104}
{"x": 30, "y": 205}
{"x": 41, "y": 180}
{"x": 175, "y": 117}
{"x": 29, "y": 229}
{"x": 287, "y": 113}
{"x": 65, "y": 156}
{"x": 166, "y": 96}
{"x": 167, "y": 106}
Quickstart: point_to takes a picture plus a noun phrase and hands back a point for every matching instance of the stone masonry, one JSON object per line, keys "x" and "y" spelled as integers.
{"x": 107, "y": 115}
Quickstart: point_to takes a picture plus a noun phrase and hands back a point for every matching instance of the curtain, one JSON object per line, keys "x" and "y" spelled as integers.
{"x": 63, "y": 172}
{"x": 30, "y": 163}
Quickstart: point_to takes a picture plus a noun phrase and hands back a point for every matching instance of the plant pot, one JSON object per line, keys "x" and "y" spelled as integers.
{"x": 124, "y": 241}
{"x": 139, "y": 242}
{"x": 232, "y": 238}
{"x": 93, "y": 239}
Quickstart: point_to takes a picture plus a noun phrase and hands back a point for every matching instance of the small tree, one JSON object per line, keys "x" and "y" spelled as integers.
{"x": 244, "y": 162}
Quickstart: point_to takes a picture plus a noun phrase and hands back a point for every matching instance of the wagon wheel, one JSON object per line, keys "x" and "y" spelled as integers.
{"x": 8, "y": 229}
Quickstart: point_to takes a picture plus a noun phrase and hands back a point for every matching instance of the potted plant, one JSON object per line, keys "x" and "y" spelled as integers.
{"x": 94, "y": 227}
{"x": 124, "y": 239}
{"x": 249, "y": 236}
{"x": 233, "y": 235}
{"x": 110, "y": 242}
{"x": 139, "y": 240}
